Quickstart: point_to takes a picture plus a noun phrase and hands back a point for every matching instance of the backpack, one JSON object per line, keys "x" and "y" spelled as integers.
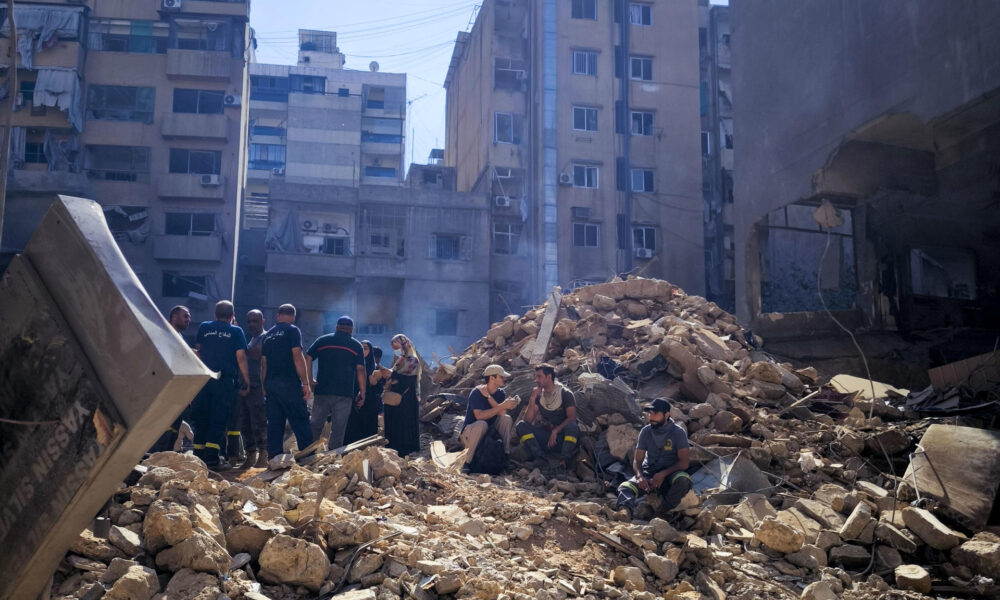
{"x": 490, "y": 457}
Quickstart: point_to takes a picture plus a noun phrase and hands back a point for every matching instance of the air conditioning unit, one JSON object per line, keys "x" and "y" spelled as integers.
{"x": 329, "y": 227}
{"x": 581, "y": 212}
{"x": 565, "y": 179}
{"x": 231, "y": 100}
{"x": 308, "y": 225}
{"x": 171, "y": 4}
{"x": 643, "y": 253}
{"x": 502, "y": 201}
{"x": 207, "y": 180}
{"x": 279, "y": 171}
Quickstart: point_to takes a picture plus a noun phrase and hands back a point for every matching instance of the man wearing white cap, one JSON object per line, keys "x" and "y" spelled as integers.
{"x": 487, "y": 407}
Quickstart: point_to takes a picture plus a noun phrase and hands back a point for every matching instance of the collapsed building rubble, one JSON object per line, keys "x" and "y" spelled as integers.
{"x": 804, "y": 490}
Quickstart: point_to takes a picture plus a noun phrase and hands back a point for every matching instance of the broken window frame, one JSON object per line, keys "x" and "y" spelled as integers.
{"x": 121, "y": 103}
{"x": 135, "y": 36}
{"x": 306, "y": 84}
{"x": 268, "y": 88}
{"x": 503, "y": 127}
{"x": 387, "y": 223}
{"x": 199, "y": 224}
{"x": 449, "y": 246}
{"x": 266, "y": 156}
{"x": 506, "y": 238}
{"x": 586, "y": 235}
{"x": 203, "y": 35}
{"x": 133, "y": 164}
{"x": 184, "y": 284}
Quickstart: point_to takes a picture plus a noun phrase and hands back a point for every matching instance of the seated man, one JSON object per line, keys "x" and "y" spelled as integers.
{"x": 662, "y": 456}
{"x": 487, "y": 408}
{"x": 551, "y": 416}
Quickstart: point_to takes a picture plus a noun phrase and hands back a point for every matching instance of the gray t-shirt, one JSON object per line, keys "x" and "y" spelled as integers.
{"x": 661, "y": 446}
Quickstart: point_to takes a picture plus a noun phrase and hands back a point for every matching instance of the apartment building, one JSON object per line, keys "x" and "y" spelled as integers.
{"x": 578, "y": 121}
{"x": 334, "y": 226}
{"x": 138, "y": 104}
{"x": 715, "y": 67}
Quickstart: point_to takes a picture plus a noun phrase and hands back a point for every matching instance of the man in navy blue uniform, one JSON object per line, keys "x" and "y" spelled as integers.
{"x": 222, "y": 347}
{"x": 662, "y": 456}
{"x": 286, "y": 382}
{"x": 340, "y": 379}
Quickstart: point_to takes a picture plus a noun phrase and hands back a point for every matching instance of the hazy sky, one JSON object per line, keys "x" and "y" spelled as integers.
{"x": 415, "y": 38}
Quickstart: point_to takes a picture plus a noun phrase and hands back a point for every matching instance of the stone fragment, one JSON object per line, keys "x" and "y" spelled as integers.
{"x": 473, "y": 527}
{"x": 603, "y": 303}
{"x": 828, "y": 539}
{"x": 662, "y": 567}
{"x": 137, "y": 583}
{"x": 190, "y": 585}
{"x": 706, "y": 374}
{"x": 779, "y": 536}
{"x": 126, "y": 540}
{"x": 281, "y": 462}
{"x": 621, "y": 440}
{"x": 629, "y": 578}
{"x": 95, "y": 548}
{"x": 900, "y": 539}
{"x": 285, "y": 559}
{"x": 448, "y": 583}
{"x": 871, "y": 490}
{"x": 860, "y": 518}
{"x": 887, "y": 558}
{"x": 663, "y": 531}
{"x": 981, "y": 554}
{"x": 116, "y": 569}
{"x": 199, "y": 553}
{"x": 913, "y": 578}
{"x": 818, "y": 590}
{"x": 889, "y": 441}
{"x": 831, "y": 495}
{"x": 247, "y": 538}
{"x": 701, "y": 410}
{"x": 809, "y": 557}
{"x": 850, "y": 556}
{"x": 166, "y": 524}
{"x": 765, "y": 371}
{"x": 822, "y": 513}
{"x": 365, "y": 565}
{"x": 933, "y": 532}
{"x": 522, "y": 532}
{"x": 727, "y": 422}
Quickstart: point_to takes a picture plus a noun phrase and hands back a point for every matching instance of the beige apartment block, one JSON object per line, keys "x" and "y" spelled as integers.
{"x": 139, "y": 105}
{"x": 579, "y": 120}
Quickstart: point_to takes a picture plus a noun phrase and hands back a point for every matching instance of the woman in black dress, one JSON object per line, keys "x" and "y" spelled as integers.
{"x": 363, "y": 421}
{"x": 402, "y": 423}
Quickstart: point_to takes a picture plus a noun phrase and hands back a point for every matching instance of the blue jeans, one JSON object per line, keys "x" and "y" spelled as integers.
{"x": 285, "y": 403}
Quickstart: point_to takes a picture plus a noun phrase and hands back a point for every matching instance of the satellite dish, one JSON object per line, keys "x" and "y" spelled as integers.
{"x": 373, "y": 66}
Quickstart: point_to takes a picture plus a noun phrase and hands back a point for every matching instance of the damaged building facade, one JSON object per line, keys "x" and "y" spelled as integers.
{"x": 331, "y": 224}
{"x": 890, "y": 113}
{"x": 582, "y": 132}
{"x": 137, "y": 105}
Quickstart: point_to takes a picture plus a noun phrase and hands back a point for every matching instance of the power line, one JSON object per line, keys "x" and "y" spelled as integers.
{"x": 344, "y": 28}
{"x": 370, "y": 32}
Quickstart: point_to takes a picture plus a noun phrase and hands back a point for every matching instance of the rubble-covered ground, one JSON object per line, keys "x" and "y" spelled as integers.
{"x": 832, "y": 518}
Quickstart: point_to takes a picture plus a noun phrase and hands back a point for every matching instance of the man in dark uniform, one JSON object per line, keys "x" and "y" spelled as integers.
{"x": 662, "y": 456}
{"x": 253, "y": 410}
{"x": 222, "y": 347}
{"x": 286, "y": 383}
{"x": 550, "y": 421}
{"x": 180, "y": 318}
{"x": 340, "y": 379}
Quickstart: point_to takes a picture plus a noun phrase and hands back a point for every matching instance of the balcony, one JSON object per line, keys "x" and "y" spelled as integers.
{"x": 310, "y": 265}
{"x": 195, "y": 127}
{"x": 64, "y": 53}
{"x": 187, "y": 247}
{"x": 233, "y": 8}
{"x": 198, "y": 64}
{"x": 372, "y": 144}
{"x": 190, "y": 185}
{"x": 50, "y": 182}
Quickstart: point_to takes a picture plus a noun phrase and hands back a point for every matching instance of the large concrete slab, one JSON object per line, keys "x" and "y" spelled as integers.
{"x": 960, "y": 467}
{"x": 95, "y": 372}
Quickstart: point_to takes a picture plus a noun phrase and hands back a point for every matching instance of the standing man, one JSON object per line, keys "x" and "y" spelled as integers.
{"x": 222, "y": 347}
{"x": 286, "y": 382}
{"x": 487, "y": 408}
{"x": 549, "y": 424}
{"x": 662, "y": 456}
{"x": 254, "y": 412}
{"x": 340, "y": 379}
{"x": 180, "y": 319}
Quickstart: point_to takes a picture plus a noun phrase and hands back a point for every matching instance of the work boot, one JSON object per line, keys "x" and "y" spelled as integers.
{"x": 220, "y": 467}
{"x": 251, "y": 458}
{"x": 236, "y": 462}
{"x": 261, "y": 460}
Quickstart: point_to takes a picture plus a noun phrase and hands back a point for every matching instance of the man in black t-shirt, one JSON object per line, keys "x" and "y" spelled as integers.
{"x": 549, "y": 424}
{"x": 340, "y": 379}
{"x": 487, "y": 407}
{"x": 286, "y": 382}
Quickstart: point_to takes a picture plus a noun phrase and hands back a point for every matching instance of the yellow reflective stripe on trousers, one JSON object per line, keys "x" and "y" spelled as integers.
{"x": 674, "y": 477}
{"x": 569, "y": 438}
{"x": 211, "y": 445}
{"x": 526, "y": 437}
{"x": 631, "y": 486}
{"x": 199, "y": 446}
{"x": 171, "y": 430}
{"x": 232, "y": 433}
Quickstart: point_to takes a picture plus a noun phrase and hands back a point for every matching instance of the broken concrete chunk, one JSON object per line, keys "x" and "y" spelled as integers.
{"x": 137, "y": 583}
{"x": 199, "y": 553}
{"x": 662, "y": 567}
{"x": 850, "y": 556}
{"x": 933, "y": 532}
{"x": 900, "y": 539}
{"x": 166, "y": 524}
{"x": 822, "y": 513}
{"x": 629, "y": 578}
{"x": 913, "y": 578}
{"x": 94, "y": 547}
{"x": 285, "y": 559}
{"x": 818, "y": 590}
{"x": 981, "y": 554}
{"x": 779, "y": 536}
{"x": 859, "y": 519}
{"x": 126, "y": 540}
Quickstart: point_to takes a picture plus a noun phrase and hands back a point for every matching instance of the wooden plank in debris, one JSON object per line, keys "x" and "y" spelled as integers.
{"x": 986, "y": 367}
{"x": 113, "y": 376}
{"x": 545, "y": 331}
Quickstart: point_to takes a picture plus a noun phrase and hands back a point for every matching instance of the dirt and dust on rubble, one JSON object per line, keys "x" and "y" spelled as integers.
{"x": 804, "y": 490}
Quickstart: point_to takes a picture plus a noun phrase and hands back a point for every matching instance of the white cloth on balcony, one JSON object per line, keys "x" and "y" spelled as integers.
{"x": 39, "y": 25}
{"x": 60, "y": 88}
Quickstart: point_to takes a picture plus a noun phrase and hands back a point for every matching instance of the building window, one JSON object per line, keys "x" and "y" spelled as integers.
{"x": 34, "y": 152}
{"x": 339, "y": 246}
{"x": 585, "y": 9}
{"x": 584, "y": 118}
{"x": 509, "y": 74}
{"x": 644, "y": 238}
{"x": 307, "y": 84}
{"x": 385, "y": 227}
{"x": 27, "y": 89}
{"x": 445, "y": 322}
{"x": 120, "y": 103}
{"x": 642, "y": 122}
{"x": 266, "y": 156}
{"x": 268, "y": 89}
{"x": 586, "y": 235}
{"x": 506, "y": 237}
{"x": 446, "y": 246}
{"x": 193, "y": 34}
{"x": 641, "y": 68}
{"x": 706, "y": 143}
{"x": 373, "y": 171}
{"x": 584, "y": 62}
{"x": 343, "y": 92}
{"x": 267, "y": 130}
{"x": 642, "y": 180}
{"x": 506, "y": 128}
{"x": 584, "y": 176}
{"x": 184, "y": 223}
{"x": 176, "y": 285}
{"x": 366, "y": 329}
{"x": 375, "y": 98}
{"x": 640, "y": 14}
{"x": 382, "y": 130}
{"x": 203, "y": 102}
{"x": 140, "y": 37}
{"x": 202, "y": 162}
{"x": 118, "y": 163}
